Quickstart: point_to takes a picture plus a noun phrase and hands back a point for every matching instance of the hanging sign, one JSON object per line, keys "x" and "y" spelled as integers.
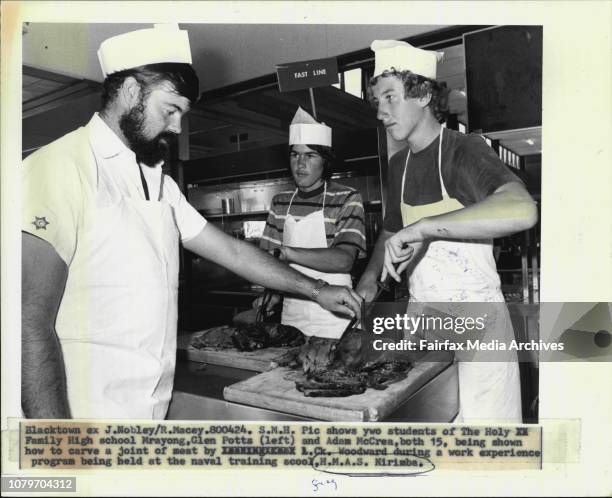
{"x": 307, "y": 74}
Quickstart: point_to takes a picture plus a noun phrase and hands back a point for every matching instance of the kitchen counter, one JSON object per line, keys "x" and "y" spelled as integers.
{"x": 198, "y": 395}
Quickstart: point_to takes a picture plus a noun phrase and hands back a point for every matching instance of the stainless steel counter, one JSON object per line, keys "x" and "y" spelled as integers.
{"x": 198, "y": 395}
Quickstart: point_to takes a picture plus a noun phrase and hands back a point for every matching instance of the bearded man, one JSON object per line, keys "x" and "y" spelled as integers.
{"x": 101, "y": 229}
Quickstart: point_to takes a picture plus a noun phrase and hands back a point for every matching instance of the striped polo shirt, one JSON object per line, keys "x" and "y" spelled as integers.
{"x": 343, "y": 213}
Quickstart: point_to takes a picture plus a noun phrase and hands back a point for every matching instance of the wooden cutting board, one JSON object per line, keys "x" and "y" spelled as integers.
{"x": 276, "y": 390}
{"x": 261, "y": 360}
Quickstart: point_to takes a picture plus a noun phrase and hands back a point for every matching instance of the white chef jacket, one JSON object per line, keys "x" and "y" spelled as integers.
{"x": 118, "y": 348}
{"x": 60, "y": 190}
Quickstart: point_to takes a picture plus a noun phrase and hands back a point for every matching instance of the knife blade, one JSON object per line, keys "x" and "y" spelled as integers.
{"x": 367, "y": 308}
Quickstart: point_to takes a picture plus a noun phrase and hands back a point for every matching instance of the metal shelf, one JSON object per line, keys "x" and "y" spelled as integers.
{"x": 368, "y": 205}
{"x": 246, "y": 214}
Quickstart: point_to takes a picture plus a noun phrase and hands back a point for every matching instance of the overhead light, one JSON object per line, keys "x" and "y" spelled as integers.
{"x": 530, "y": 141}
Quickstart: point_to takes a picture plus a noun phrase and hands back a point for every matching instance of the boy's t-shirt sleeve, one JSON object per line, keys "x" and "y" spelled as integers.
{"x": 350, "y": 224}
{"x": 393, "y": 216}
{"x": 477, "y": 171}
{"x": 272, "y": 236}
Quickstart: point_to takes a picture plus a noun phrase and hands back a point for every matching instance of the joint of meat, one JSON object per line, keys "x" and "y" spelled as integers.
{"x": 284, "y": 335}
{"x": 250, "y": 337}
{"x": 317, "y": 354}
{"x": 216, "y": 337}
{"x": 349, "y": 366}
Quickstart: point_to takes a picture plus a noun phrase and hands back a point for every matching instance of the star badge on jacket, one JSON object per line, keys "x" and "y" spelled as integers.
{"x": 40, "y": 223}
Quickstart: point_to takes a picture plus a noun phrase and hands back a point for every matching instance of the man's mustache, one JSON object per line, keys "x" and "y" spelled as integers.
{"x": 167, "y": 139}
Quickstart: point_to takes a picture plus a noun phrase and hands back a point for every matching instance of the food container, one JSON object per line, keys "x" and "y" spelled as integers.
{"x": 227, "y": 205}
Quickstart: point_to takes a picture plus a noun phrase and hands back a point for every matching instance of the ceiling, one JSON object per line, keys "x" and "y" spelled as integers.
{"x": 60, "y": 93}
{"x": 60, "y": 90}
{"x": 523, "y": 142}
{"x": 222, "y": 54}
{"x": 61, "y": 75}
{"x": 261, "y": 118}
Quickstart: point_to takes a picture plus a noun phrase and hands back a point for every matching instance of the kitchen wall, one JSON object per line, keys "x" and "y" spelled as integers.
{"x": 253, "y": 199}
{"x": 249, "y": 197}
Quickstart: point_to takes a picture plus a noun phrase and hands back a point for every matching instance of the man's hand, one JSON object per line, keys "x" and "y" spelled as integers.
{"x": 259, "y": 267}
{"x": 272, "y": 303}
{"x": 400, "y": 249}
{"x": 340, "y": 299}
{"x": 367, "y": 289}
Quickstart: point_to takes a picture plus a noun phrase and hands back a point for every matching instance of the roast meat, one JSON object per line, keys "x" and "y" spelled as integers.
{"x": 344, "y": 382}
{"x": 283, "y": 335}
{"x": 355, "y": 351}
{"x": 317, "y": 354}
{"x": 349, "y": 366}
{"x": 216, "y": 337}
{"x": 250, "y": 337}
{"x": 260, "y": 335}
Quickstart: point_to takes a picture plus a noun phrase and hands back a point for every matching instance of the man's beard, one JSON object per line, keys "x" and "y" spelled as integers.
{"x": 148, "y": 151}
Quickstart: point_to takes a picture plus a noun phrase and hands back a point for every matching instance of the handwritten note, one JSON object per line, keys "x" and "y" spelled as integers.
{"x": 328, "y": 483}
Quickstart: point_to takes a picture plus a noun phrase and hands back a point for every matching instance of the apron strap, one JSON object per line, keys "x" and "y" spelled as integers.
{"x": 295, "y": 193}
{"x": 144, "y": 183}
{"x": 404, "y": 177}
{"x": 324, "y": 194}
{"x": 146, "y": 188}
{"x": 291, "y": 202}
{"x": 444, "y": 192}
{"x": 161, "y": 187}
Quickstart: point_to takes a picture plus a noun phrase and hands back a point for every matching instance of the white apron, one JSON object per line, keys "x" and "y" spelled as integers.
{"x": 304, "y": 314}
{"x": 118, "y": 318}
{"x": 464, "y": 271}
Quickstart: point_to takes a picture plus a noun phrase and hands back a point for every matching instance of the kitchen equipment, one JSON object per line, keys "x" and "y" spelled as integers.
{"x": 367, "y": 308}
{"x": 275, "y": 389}
{"x": 253, "y": 229}
{"x": 227, "y": 205}
{"x": 212, "y": 211}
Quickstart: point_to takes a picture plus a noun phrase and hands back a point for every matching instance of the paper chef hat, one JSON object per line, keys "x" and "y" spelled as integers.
{"x": 162, "y": 43}
{"x": 306, "y": 130}
{"x": 404, "y": 57}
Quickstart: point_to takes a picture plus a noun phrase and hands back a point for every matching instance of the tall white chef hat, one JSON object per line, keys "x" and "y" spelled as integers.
{"x": 404, "y": 57}
{"x": 306, "y": 130}
{"x": 162, "y": 43}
